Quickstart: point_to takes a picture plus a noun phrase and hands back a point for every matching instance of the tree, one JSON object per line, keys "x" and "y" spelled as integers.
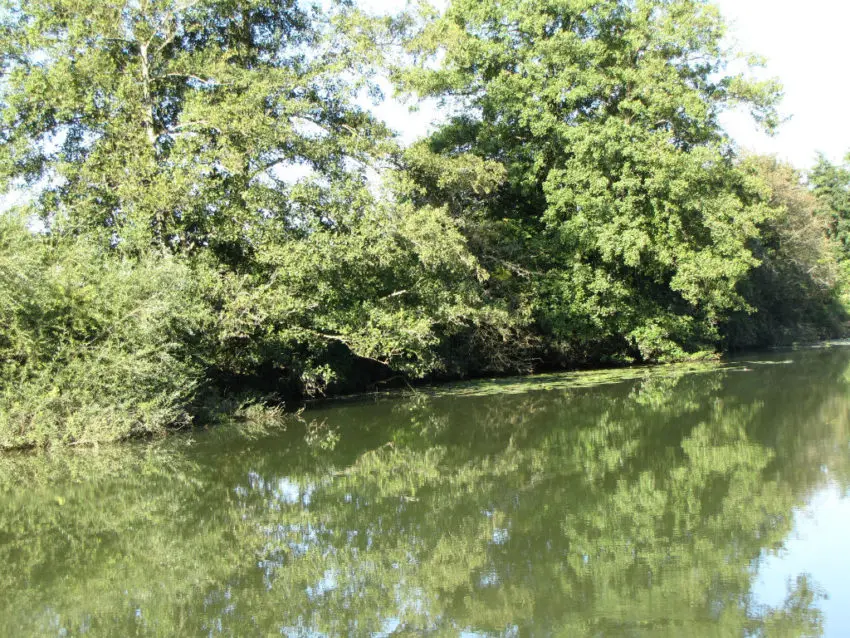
{"x": 793, "y": 293}
{"x": 226, "y": 134}
{"x": 831, "y": 184}
{"x": 181, "y": 122}
{"x": 622, "y": 195}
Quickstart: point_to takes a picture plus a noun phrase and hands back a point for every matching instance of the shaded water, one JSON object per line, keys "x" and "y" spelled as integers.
{"x": 676, "y": 501}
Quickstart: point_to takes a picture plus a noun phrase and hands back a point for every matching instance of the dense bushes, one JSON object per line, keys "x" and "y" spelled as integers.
{"x": 93, "y": 347}
{"x": 794, "y": 294}
{"x": 214, "y": 213}
{"x": 98, "y": 346}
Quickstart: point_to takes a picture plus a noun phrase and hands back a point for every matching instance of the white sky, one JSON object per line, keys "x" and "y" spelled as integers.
{"x": 807, "y": 47}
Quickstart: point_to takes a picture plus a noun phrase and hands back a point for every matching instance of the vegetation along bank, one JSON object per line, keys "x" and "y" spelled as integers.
{"x": 213, "y": 211}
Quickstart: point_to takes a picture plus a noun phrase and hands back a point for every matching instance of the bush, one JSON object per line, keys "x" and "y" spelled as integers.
{"x": 92, "y": 345}
{"x": 794, "y": 293}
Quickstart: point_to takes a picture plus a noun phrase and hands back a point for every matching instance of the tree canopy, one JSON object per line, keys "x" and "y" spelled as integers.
{"x": 178, "y": 122}
{"x": 621, "y": 188}
{"x": 214, "y": 164}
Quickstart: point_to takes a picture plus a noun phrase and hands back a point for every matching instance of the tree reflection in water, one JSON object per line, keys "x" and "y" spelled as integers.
{"x": 641, "y": 506}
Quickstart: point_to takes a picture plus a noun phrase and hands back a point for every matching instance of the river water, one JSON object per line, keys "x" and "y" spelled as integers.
{"x": 694, "y": 500}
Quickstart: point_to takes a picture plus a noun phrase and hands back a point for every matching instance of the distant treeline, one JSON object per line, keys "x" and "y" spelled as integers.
{"x": 214, "y": 214}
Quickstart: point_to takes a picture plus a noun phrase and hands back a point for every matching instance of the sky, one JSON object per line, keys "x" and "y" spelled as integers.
{"x": 807, "y": 46}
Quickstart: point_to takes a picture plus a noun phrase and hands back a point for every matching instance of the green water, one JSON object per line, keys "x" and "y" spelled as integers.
{"x": 677, "y": 501}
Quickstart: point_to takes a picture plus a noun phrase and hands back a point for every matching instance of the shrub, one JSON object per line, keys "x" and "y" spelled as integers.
{"x": 92, "y": 345}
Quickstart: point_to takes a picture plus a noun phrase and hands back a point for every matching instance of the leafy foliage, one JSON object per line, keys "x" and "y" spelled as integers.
{"x": 228, "y": 135}
{"x": 175, "y": 123}
{"x": 831, "y": 184}
{"x": 621, "y": 196}
{"x": 214, "y": 213}
{"x": 794, "y": 293}
{"x": 92, "y": 348}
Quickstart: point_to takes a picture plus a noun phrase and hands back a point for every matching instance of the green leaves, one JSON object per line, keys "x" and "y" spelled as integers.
{"x": 170, "y": 123}
{"x": 93, "y": 349}
{"x": 831, "y": 184}
{"x": 582, "y": 205}
{"x": 793, "y": 292}
{"x": 604, "y": 117}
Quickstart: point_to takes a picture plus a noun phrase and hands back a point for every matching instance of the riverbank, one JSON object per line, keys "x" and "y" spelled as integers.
{"x": 256, "y": 415}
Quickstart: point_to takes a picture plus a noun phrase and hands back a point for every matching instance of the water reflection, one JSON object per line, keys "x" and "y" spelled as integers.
{"x": 817, "y": 548}
{"x": 662, "y": 503}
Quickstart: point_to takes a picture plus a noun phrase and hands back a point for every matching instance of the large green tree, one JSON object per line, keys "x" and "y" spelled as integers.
{"x": 230, "y": 135}
{"x": 184, "y": 123}
{"x": 623, "y": 217}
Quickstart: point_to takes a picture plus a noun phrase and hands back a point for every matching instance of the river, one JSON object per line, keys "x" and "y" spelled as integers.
{"x": 686, "y": 500}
